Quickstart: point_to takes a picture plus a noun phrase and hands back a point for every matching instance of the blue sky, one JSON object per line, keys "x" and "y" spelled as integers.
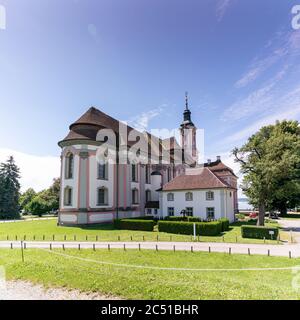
{"x": 134, "y": 59}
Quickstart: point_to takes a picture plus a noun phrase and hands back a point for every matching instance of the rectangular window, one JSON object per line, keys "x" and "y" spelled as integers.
{"x": 135, "y": 199}
{"x": 169, "y": 174}
{"x": 102, "y": 171}
{"x": 134, "y": 173}
{"x": 210, "y": 196}
{"x": 210, "y": 213}
{"x": 170, "y": 196}
{"x": 189, "y": 196}
{"x": 147, "y": 174}
{"x": 149, "y": 212}
{"x": 68, "y": 197}
{"x": 148, "y": 195}
{"x": 171, "y": 211}
{"x": 189, "y": 211}
{"x": 102, "y": 197}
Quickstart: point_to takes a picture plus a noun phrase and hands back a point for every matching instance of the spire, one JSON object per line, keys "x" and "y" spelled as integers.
{"x": 187, "y": 113}
{"x": 186, "y": 101}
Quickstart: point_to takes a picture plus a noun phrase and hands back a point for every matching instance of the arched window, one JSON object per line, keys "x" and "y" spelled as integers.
{"x": 189, "y": 196}
{"x": 102, "y": 171}
{"x": 68, "y": 193}
{"x": 69, "y": 169}
{"x": 135, "y": 196}
{"x": 170, "y": 196}
{"x": 148, "y": 195}
{"x": 102, "y": 196}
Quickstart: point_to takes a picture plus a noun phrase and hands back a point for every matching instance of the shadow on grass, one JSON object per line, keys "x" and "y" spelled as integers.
{"x": 92, "y": 227}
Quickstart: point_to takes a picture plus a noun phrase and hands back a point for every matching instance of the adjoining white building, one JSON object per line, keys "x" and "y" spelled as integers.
{"x": 98, "y": 192}
{"x": 200, "y": 193}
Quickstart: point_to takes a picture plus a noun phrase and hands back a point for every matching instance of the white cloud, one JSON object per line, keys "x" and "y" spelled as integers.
{"x": 222, "y": 7}
{"x": 259, "y": 100}
{"x": 283, "y": 45}
{"x": 141, "y": 121}
{"x": 292, "y": 112}
{"x": 37, "y": 172}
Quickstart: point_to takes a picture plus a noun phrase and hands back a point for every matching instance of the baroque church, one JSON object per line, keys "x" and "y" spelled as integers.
{"x": 94, "y": 191}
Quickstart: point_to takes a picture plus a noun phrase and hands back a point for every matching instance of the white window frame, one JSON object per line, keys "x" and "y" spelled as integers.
{"x": 68, "y": 196}
{"x": 210, "y": 196}
{"x": 172, "y": 209}
{"x": 170, "y": 196}
{"x": 189, "y": 196}
{"x": 208, "y": 213}
{"x": 189, "y": 211}
{"x": 105, "y": 195}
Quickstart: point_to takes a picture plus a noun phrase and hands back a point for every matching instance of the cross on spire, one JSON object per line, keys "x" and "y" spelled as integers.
{"x": 186, "y": 100}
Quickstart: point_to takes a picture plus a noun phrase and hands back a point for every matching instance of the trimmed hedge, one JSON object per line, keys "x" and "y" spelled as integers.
{"x": 175, "y": 218}
{"x": 225, "y": 224}
{"x": 202, "y": 228}
{"x": 131, "y": 224}
{"x": 257, "y": 232}
{"x": 141, "y": 218}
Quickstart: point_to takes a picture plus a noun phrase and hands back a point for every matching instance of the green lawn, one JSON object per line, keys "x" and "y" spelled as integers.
{"x": 45, "y": 230}
{"x": 140, "y": 283}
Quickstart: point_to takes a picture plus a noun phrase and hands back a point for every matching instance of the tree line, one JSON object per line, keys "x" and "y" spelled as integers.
{"x": 13, "y": 202}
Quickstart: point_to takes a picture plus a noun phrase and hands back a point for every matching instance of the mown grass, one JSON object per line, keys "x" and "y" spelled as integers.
{"x": 45, "y": 230}
{"x": 53, "y": 270}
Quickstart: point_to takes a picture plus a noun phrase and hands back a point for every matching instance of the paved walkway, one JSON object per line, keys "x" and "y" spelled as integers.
{"x": 29, "y": 219}
{"x": 260, "y": 249}
{"x": 291, "y": 225}
{"x": 25, "y": 290}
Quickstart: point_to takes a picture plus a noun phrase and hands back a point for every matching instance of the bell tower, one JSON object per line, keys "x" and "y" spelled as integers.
{"x": 188, "y": 133}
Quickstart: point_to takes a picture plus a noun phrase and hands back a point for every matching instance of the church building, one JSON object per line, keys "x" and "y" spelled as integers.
{"x": 94, "y": 191}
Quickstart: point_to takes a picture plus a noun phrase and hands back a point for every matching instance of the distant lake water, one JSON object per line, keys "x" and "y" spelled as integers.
{"x": 244, "y": 204}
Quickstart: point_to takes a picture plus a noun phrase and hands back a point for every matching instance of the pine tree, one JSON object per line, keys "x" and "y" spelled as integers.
{"x": 9, "y": 190}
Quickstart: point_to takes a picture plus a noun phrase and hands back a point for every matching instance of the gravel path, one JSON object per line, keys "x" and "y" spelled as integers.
{"x": 24, "y": 290}
{"x": 262, "y": 249}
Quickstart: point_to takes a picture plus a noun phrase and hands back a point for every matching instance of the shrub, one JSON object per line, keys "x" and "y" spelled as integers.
{"x": 171, "y": 218}
{"x": 257, "y": 232}
{"x": 187, "y": 219}
{"x": 131, "y": 224}
{"x": 142, "y": 218}
{"x": 182, "y": 227}
{"x": 241, "y": 216}
{"x": 225, "y": 224}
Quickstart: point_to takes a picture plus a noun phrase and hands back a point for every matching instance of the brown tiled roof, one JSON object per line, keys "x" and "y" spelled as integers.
{"x": 98, "y": 118}
{"x": 204, "y": 180}
{"x": 218, "y": 166}
{"x": 88, "y": 125}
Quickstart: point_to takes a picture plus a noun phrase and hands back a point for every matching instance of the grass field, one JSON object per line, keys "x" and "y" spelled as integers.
{"x": 46, "y": 229}
{"x": 129, "y": 282}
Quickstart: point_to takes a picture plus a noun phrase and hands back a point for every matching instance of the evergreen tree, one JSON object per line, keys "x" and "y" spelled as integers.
{"x": 9, "y": 190}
